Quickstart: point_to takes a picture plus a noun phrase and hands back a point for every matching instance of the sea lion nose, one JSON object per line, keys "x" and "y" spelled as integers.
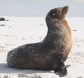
{"x": 65, "y": 7}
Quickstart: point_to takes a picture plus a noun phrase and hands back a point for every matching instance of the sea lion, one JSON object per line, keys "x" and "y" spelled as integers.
{"x": 51, "y": 52}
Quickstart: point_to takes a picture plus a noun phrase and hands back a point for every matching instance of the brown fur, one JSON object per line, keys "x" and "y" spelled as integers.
{"x": 68, "y": 38}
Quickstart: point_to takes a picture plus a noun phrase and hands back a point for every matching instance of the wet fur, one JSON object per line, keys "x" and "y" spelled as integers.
{"x": 51, "y": 52}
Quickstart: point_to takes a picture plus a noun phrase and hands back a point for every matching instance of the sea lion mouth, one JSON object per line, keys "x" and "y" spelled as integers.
{"x": 49, "y": 16}
{"x": 55, "y": 19}
{"x": 65, "y": 9}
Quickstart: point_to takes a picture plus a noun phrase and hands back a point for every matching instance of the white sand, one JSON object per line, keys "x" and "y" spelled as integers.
{"x": 21, "y": 30}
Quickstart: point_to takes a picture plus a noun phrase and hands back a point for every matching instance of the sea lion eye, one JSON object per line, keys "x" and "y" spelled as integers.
{"x": 54, "y": 14}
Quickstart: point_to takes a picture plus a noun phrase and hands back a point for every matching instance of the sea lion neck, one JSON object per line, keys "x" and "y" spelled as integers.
{"x": 55, "y": 33}
{"x": 51, "y": 24}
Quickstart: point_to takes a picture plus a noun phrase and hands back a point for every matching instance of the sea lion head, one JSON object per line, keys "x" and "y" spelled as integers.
{"x": 58, "y": 13}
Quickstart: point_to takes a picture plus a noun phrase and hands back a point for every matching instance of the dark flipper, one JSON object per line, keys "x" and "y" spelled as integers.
{"x": 59, "y": 67}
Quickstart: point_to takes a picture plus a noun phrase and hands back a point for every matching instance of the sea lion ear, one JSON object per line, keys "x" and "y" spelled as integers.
{"x": 64, "y": 10}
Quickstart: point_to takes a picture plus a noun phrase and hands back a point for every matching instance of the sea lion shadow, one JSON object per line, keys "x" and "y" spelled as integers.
{"x": 4, "y": 68}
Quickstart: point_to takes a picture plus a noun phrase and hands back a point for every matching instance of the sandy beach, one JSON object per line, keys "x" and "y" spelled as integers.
{"x": 22, "y": 30}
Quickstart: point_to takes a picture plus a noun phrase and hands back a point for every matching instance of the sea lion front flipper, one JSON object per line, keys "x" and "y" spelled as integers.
{"x": 60, "y": 68}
